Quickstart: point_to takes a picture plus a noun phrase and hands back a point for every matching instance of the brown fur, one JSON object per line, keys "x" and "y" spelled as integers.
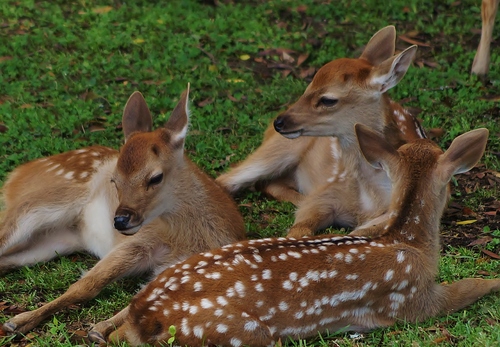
{"x": 326, "y": 177}
{"x": 67, "y": 203}
{"x": 257, "y": 292}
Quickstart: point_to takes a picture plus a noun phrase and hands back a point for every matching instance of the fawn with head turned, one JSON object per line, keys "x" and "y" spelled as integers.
{"x": 326, "y": 176}
{"x": 139, "y": 210}
{"x": 259, "y": 291}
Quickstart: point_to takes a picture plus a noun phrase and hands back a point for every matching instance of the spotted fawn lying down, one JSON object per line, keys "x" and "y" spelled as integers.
{"x": 163, "y": 207}
{"x": 310, "y": 156}
{"x": 256, "y": 292}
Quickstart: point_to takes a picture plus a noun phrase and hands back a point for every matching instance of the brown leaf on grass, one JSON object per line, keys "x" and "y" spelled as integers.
{"x": 431, "y": 64}
{"x": 302, "y": 58}
{"x": 205, "y": 102}
{"x": 305, "y": 73}
{"x": 413, "y": 42}
{"x": 490, "y": 253}
{"x": 486, "y": 273}
{"x": 482, "y": 241}
{"x": 96, "y": 127}
{"x": 287, "y": 58}
{"x": 80, "y": 333}
{"x": 276, "y": 51}
{"x": 101, "y": 10}
{"x": 492, "y": 321}
{"x": 466, "y": 211}
{"x": 486, "y": 97}
{"x": 232, "y": 98}
{"x": 88, "y": 95}
{"x": 5, "y": 58}
{"x": 301, "y": 8}
{"x": 13, "y": 310}
{"x": 3, "y": 128}
{"x": 152, "y": 82}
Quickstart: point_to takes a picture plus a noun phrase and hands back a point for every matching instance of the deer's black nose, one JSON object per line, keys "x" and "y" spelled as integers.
{"x": 279, "y": 123}
{"x": 121, "y": 222}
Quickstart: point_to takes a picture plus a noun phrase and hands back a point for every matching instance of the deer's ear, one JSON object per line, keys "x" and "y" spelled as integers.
{"x": 381, "y": 46}
{"x": 391, "y": 71}
{"x": 376, "y": 150}
{"x": 179, "y": 120}
{"x": 136, "y": 115}
{"x": 463, "y": 153}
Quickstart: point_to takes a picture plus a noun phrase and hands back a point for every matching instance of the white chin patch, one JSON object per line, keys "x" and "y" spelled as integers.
{"x": 131, "y": 231}
{"x": 293, "y": 135}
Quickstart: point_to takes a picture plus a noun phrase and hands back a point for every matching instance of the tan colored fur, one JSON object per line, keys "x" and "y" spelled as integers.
{"x": 326, "y": 177}
{"x": 481, "y": 63}
{"x": 260, "y": 291}
{"x": 66, "y": 203}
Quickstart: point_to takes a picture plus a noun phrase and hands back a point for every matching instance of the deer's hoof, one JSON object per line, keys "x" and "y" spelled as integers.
{"x": 9, "y": 327}
{"x": 96, "y": 337}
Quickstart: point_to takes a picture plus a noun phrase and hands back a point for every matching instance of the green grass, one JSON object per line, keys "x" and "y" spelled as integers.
{"x": 68, "y": 67}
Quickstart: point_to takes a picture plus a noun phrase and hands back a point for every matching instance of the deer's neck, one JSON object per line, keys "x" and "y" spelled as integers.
{"x": 414, "y": 215}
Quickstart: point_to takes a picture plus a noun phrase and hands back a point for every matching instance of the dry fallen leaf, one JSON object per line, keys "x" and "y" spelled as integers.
{"x": 481, "y": 241}
{"x": 413, "y": 42}
{"x": 465, "y": 222}
{"x": 491, "y": 254}
{"x": 101, "y": 10}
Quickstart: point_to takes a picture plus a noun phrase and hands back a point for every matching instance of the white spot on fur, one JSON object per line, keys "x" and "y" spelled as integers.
{"x": 198, "y": 331}
{"x": 240, "y": 288}
{"x": 283, "y": 306}
{"x": 400, "y": 257}
{"x": 221, "y": 328}
{"x": 205, "y": 303}
{"x": 388, "y": 275}
{"x": 287, "y": 285}
{"x": 198, "y": 286}
{"x": 251, "y": 325}
{"x": 185, "y": 329}
{"x": 348, "y": 258}
{"x": 266, "y": 274}
{"x": 235, "y": 342}
{"x": 295, "y": 255}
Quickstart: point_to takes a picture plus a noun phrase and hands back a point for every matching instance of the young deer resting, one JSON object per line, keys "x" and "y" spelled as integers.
{"x": 164, "y": 207}
{"x": 326, "y": 177}
{"x": 256, "y": 292}
{"x": 481, "y": 64}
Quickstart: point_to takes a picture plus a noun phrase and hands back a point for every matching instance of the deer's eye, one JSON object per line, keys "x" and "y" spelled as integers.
{"x": 327, "y": 101}
{"x": 156, "y": 179}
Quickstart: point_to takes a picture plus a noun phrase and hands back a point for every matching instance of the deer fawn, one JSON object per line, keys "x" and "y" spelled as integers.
{"x": 326, "y": 177}
{"x": 256, "y": 292}
{"x": 481, "y": 63}
{"x": 164, "y": 207}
